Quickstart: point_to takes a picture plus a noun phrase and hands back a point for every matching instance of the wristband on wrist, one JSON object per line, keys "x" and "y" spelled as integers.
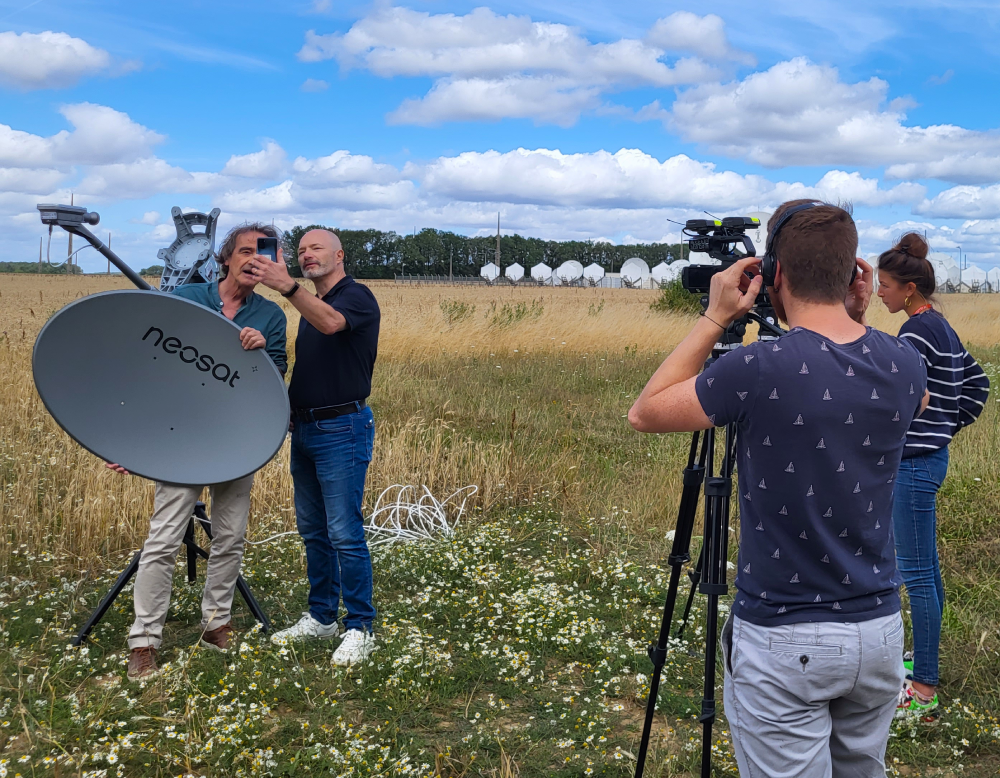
{"x": 290, "y": 292}
{"x": 712, "y": 320}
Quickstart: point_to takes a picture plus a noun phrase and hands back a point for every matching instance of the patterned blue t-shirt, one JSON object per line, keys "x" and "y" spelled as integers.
{"x": 821, "y": 429}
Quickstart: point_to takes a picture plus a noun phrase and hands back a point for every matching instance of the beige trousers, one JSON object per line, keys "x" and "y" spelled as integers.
{"x": 173, "y": 506}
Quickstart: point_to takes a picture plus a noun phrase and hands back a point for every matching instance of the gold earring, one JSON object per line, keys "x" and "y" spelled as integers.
{"x": 906, "y": 303}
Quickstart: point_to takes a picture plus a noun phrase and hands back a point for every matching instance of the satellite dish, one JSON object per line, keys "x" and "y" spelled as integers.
{"x": 151, "y": 381}
{"x": 993, "y": 279}
{"x": 634, "y": 272}
{"x": 663, "y": 274}
{"x": 514, "y": 273}
{"x": 542, "y": 273}
{"x": 569, "y": 272}
{"x": 490, "y": 272}
{"x": 759, "y": 235}
{"x": 593, "y": 273}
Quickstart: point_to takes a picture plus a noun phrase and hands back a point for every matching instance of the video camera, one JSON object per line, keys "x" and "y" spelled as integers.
{"x": 720, "y": 240}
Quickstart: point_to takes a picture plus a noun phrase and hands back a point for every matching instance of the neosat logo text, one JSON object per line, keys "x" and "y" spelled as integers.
{"x": 189, "y": 354}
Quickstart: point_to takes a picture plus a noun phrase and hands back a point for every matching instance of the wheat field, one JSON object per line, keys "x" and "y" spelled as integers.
{"x": 435, "y": 426}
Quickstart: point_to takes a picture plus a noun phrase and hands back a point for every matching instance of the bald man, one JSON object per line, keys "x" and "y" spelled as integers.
{"x": 332, "y": 437}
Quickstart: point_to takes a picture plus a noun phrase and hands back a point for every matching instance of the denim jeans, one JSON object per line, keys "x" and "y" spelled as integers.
{"x": 329, "y": 463}
{"x": 914, "y": 519}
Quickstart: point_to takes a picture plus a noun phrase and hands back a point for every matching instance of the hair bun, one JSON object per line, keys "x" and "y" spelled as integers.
{"x": 913, "y": 243}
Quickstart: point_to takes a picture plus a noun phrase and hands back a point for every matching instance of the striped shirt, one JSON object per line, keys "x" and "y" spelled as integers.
{"x": 957, "y": 384}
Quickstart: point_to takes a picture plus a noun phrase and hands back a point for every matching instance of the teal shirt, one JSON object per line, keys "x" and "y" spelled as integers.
{"x": 256, "y": 311}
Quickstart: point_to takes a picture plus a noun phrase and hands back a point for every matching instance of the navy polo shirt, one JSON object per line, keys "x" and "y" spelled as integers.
{"x": 257, "y": 312}
{"x": 821, "y": 430}
{"x": 337, "y": 369}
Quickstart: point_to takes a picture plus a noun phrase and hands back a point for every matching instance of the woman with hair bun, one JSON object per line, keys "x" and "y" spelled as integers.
{"x": 958, "y": 389}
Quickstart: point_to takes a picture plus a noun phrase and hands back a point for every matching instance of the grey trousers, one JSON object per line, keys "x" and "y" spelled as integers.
{"x": 173, "y": 506}
{"x": 812, "y": 700}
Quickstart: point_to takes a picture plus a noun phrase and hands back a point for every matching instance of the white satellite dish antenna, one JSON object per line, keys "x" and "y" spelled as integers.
{"x": 974, "y": 277}
{"x": 663, "y": 274}
{"x": 541, "y": 273}
{"x": 759, "y": 235}
{"x": 514, "y": 273}
{"x": 569, "y": 272}
{"x": 593, "y": 273}
{"x": 993, "y": 279}
{"x": 634, "y": 272}
{"x": 489, "y": 272}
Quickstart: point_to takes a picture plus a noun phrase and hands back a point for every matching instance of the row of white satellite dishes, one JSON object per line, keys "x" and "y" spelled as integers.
{"x": 635, "y": 273}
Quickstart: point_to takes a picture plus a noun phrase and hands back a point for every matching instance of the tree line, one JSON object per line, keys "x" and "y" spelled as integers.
{"x": 379, "y": 254}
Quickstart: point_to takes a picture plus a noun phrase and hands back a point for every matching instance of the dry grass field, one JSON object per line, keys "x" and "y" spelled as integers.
{"x": 522, "y": 392}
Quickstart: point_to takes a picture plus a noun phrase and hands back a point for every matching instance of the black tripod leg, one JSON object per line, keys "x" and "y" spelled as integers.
{"x": 713, "y": 583}
{"x": 253, "y": 605}
{"x": 695, "y": 576}
{"x": 192, "y": 552}
{"x": 109, "y": 598}
{"x": 680, "y": 555}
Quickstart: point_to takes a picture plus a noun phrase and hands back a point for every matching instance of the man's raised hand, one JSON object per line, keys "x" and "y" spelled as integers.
{"x": 732, "y": 294}
{"x": 273, "y": 275}
{"x": 859, "y": 294}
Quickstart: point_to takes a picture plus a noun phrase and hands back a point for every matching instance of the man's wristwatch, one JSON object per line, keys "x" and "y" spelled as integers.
{"x": 290, "y": 292}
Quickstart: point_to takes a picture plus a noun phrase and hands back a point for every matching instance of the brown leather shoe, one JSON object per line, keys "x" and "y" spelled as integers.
{"x": 218, "y": 639}
{"x": 142, "y": 664}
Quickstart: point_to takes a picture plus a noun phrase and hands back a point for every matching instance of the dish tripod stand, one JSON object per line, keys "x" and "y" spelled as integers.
{"x": 193, "y": 552}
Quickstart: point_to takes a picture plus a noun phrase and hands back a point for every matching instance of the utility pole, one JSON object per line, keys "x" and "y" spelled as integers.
{"x": 40, "y": 240}
{"x": 109, "y": 248}
{"x": 498, "y": 240}
{"x": 69, "y": 248}
{"x": 451, "y": 259}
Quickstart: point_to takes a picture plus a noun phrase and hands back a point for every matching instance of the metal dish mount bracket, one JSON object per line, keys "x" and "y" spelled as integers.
{"x": 191, "y": 257}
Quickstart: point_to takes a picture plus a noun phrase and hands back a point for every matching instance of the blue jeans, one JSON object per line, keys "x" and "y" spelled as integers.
{"x": 329, "y": 462}
{"x": 914, "y": 518}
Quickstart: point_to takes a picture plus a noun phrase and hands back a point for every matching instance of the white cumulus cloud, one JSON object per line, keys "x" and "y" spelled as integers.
{"x": 488, "y": 66}
{"x": 800, "y": 113}
{"x": 701, "y": 35}
{"x": 267, "y": 163}
{"x": 47, "y": 60}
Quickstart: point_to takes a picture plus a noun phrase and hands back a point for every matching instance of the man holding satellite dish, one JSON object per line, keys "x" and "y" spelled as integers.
{"x": 813, "y": 646}
{"x": 263, "y": 326}
{"x": 332, "y": 438}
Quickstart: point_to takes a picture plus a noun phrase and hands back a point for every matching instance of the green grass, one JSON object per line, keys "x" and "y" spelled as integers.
{"x": 515, "y": 648}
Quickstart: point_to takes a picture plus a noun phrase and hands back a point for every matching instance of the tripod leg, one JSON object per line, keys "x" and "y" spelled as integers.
{"x": 713, "y": 583}
{"x": 109, "y": 598}
{"x": 680, "y": 555}
{"x": 695, "y": 576}
{"x": 192, "y": 554}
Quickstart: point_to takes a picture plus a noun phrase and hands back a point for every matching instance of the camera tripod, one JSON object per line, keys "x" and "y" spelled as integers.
{"x": 193, "y": 552}
{"x": 709, "y": 573}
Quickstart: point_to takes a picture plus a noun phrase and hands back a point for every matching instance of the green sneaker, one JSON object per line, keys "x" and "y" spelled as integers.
{"x": 910, "y": 706}
{"x": 908, "y": 661}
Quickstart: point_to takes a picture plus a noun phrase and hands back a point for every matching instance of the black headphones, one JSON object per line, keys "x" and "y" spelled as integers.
{"x": 769, "y": 262}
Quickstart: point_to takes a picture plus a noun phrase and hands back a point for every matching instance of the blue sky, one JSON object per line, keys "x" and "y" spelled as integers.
{"x": 583, "y": 120}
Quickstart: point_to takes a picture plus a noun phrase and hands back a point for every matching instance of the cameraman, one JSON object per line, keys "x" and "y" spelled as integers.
{"x": 813, "y": 643}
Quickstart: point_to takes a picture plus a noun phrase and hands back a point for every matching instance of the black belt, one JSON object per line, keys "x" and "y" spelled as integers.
{"x": 328, "y": 412}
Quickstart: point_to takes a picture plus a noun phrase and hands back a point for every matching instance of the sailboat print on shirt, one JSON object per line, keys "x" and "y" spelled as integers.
{"x": 840, "y": 467}
{"x": 803, "y": 370}
{"x": 822, "y": 346}
{"x": 865, "y": 349}
{"x": 790, "y": 468}
{"x": 810, "y": 492}
{"x": 850, "y": 419}
{"x": 894, "y": 368}
{"x": 776, "y": 347}
{"x": 826, "y": 395}
{"x": 798, "y": 421}
{"x": 850, "y": 370}
{"x": 710, "y": 381}
{"x": 774, "y": 394}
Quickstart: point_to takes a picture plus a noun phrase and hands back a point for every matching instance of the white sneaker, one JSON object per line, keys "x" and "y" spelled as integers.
{"x": 356, "y": 647}
{"x": 306, "y": 627}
